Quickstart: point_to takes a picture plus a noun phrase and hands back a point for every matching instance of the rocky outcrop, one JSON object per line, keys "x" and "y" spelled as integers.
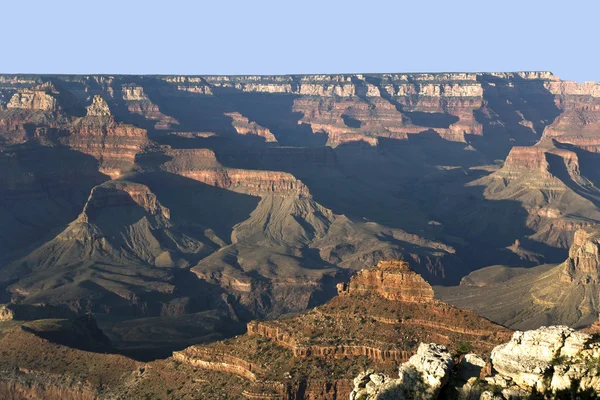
{"x": 113, "y": 144}
{"x": 533, "y": 167}
{"x": 203, "y": 358}
{"x": 98, "y": 108}
{"x": 583, "y": 264}
{"x": 139, "y": 103}
{"x": 121, "y": 193}
{"x": 245, "y": 127}
{"x": 549, "y": 359}
{"x": 6, "y": 314}
{"x": 422, "y": 377}
{"x": 380, "y": 353}
{"x": 579, "y": 120}
{"x": 39, "y": 98}
{"x": 392, "y": 280}
{"x": 258, "y": 183}
{"x": 548, "y": 184}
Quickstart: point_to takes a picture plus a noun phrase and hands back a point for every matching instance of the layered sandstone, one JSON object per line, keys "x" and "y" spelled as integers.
{"x": 583, "y": 264}
{"x": 40, "y": 98}
{"x": 535, "y": 167}
{"x": 139, "y": 103}
{"x": 122, "y": 194}
{"x": 259, "y": 183}
{"x": 548, "y": 183}
{"x": 579, "y": 122}
{"x": 245, "y": 127}
{"x": 392, "y": 280}
{"x": 115, "y": 145}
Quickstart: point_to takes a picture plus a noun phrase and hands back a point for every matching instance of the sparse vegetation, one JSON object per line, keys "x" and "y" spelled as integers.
{"x": 464, "y": 347}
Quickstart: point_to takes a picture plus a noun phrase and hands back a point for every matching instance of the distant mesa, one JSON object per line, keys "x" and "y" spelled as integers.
{"x": 40, "y": 98}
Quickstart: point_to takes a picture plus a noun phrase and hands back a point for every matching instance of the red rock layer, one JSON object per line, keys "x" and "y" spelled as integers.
{"x": 113, "y": 144}
{"x": 579, "y": 122}
{"x": 258, "y": 183}
{"x": 203, "y": 358}
{"x": 288, "y": 341}
{"x": 392, "y": 280}
{"x": 532, "y": 166}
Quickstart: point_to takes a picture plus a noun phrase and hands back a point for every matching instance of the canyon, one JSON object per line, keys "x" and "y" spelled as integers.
{"x": 246, "y": 223}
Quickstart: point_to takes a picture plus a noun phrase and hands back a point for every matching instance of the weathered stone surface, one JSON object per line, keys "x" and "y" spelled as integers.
{"x": 98, "y": 108}
{"x": 245, "y": 127}
{"x": 421, "y": 377}
{"x": 547, "y": 359}
{"x": 471, "y": 366}
{"x": 392, "y": 280}
{"x": 583, "y": 264}
{"x": 6, "y": 314}
{"x": 41, "y": 98}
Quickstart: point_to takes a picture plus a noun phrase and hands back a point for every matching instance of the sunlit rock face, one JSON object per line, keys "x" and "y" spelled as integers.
{"x": 422, "y": 377}
{"x": 583, "y": 264}
{"x": 392, "y": 280}
{"x": 549, "y": 358}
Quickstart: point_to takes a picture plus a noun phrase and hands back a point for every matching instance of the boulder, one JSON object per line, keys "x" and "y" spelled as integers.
{"x": 421, "y": 377}
{"x": 548, "y": 359}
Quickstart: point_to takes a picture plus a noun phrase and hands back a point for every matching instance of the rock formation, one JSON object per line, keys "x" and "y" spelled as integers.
{"x": 371, "y": 325}
{"x": 392, "y": 280}
{"x": 567, "y": 293}
{"x": 98, "y": 108}
{"x": 244, "y": 127}
{"x": 121, "y": 227}
{"x": 138, "y": 103}
{"x": 181, "y": 198}
{"x": 548, "y": 183}
{"x": 422, "y": 377}
{"x": 39, "y": 98}
{"x": 549, "y": 359}
{"x": 583, "y": 264}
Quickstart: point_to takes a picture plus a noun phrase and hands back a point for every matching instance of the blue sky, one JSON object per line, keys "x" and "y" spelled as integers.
{"x": 294, "y": 37}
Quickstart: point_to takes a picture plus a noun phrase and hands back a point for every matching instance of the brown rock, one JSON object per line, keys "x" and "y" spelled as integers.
{"x": 392, "y": 280}
{"x": 98, "y": 108}
{"x": 244, "y": 127}
{"x": 42, "y": 98}
{"x": 583, "y": 264}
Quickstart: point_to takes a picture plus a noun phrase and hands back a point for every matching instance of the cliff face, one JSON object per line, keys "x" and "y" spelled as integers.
{"x": 548, "y": 181}
{"x": 393, "y": 280}
{"x": 41, "y": 98}
{"x": 583, "y": 264}
{"x": 579, "y": 121}
{"x": 114, "y": 144}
